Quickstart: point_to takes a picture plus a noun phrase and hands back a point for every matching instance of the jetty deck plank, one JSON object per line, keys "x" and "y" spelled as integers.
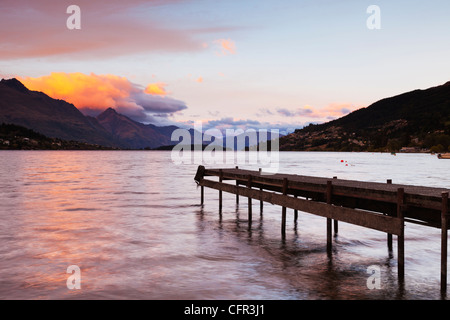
{"x": 434, "y": 193}
{"x": 424, "y": 203}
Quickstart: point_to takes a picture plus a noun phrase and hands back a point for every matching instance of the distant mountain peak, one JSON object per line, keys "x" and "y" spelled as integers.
{"x": 110, "y": 110}
{"x": 135, "y": 134}
{"x": 15, "y": 84}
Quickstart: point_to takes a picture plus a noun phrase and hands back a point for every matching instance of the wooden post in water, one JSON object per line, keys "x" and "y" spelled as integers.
{"x": 328, "y": 196}
{"x": 336, "y": 228}
{"x": 283, "y": 210}
{"x": 444, "y": 240}
{"x": 401, "y": 236}
{"x": 295, "y": 211}
{"x": 220, "y": 191}
{"x": 261, "y": 203}
{"x": 249, "y": 185}
{"x": 389, "y": 235}
{"x": 237, "y": 190}
{"x": 202, "y": 195}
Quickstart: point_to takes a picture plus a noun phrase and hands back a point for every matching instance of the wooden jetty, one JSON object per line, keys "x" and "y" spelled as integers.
{"x": 380, "y": 206}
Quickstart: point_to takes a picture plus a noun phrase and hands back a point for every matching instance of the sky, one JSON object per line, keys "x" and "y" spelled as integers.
{"x": 259, "y": 64}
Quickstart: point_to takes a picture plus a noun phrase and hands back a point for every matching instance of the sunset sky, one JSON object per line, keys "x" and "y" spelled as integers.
{"x": 248, "y": 63}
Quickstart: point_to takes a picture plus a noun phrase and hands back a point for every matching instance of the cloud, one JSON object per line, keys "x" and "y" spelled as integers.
{"x": 109, "y": 28}
{"x": 235, "y": 124}
{"x": 226, "y": 46}
{"x": 339, "y": 109}
{"x": 92, "y": 94}
{"x": 305, "y": 111}
{"x": 230, "y": 123}
{"x": 157, "y": 88}
{"x": 223, "y": 123}
{"x": 332, "y": 111}
{"x": 264, "y": 112}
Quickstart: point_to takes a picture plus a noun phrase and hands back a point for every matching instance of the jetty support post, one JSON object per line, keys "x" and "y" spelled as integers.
{"x": 295, "y": 211}
{"x": 444, "y": 241}
{"x": 249, "y": 185}
{"x": 401, "y": 236}
{"x": 335, "y": 222}
{"x": 389, "y": 235}
{"x": 198, "y": 178}
{"x": 261, "y": 202}
{"x": 283, "y": 210}
{"x": 329, "y": 220}
{"x": 237, "y": 189}
{"x": 220, "y": 191}
{"x": 202, "y": 195}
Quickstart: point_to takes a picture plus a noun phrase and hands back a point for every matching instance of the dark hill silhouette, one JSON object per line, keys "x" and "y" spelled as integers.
{"x": 51, "y": 117}
{"x": 419, "y": 119}
{"x": 134, "y": 134}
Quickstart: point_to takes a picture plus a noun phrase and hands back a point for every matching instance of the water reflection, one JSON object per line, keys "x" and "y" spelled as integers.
{"x": 133, "y": 224}
{"x": 327, "y": 273}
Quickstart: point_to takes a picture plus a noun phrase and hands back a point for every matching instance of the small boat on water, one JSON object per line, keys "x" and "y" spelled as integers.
{"x": 443, "y": 155}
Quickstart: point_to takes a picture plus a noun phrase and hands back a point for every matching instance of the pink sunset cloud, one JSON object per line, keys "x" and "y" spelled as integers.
{"x": 92, "y": 94}
{"x": 157, "y": 88}
{"x": 226, "y": 46}
{"x": 109, "y": 28}
{"x": 332, "y": 111}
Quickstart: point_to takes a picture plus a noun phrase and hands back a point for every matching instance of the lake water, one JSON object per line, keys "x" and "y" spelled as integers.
{"x": 132, "y": 223}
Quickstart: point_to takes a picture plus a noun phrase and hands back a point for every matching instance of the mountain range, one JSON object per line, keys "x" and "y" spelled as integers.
{"x": 59, "y": 119}
{"x": 62, "y": 120}
{"x": 416, "y": 120}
